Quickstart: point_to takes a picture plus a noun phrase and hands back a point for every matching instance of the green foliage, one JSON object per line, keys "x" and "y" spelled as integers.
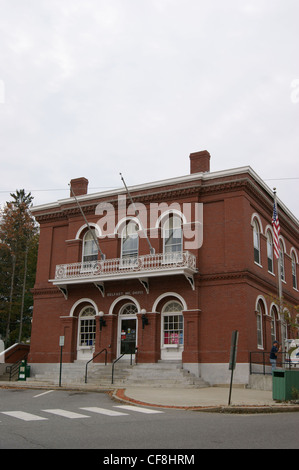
{"x": 18, "y": 257}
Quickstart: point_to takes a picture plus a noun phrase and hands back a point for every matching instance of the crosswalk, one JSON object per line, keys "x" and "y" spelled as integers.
{"x": 87, "y": 412}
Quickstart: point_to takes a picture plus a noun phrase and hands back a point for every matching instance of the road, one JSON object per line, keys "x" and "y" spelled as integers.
{"x": 35, "y": 419}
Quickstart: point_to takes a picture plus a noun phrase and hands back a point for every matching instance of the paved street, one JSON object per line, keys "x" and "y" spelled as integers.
{"x": 36, "y": 419}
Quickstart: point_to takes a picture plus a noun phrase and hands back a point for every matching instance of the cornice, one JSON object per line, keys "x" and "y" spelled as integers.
{"x": 46, "y": 291}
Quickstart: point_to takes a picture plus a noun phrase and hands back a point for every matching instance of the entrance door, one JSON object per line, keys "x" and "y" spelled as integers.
{"x": 128, "y": 336}
{"x": 127, "y": 330}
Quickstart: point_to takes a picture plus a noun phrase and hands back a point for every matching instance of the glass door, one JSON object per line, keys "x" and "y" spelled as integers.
{"x": 128, "y": 336}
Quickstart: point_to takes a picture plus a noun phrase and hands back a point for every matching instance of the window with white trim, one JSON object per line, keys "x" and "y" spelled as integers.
{"x": 256, "y": 242}
{"x": 172, "y": 238}
{"x": 90, "y": 249}
{"x": 259, "y": 324}
{"x": 87, "y": 327}
{"x": 294, "y": 271}
{"x": 281, "y": 261}
{"x": 173, "y": 324}
{"x": 130, "y": 243}
{"x": 270, "y": 252}
{"x": 274, "y": 319}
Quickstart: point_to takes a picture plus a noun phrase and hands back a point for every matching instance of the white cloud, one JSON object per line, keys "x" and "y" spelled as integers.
{"x": 93, "y": 86}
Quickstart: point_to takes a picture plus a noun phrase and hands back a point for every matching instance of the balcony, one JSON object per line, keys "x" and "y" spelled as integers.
{"x": 141, "y": 268}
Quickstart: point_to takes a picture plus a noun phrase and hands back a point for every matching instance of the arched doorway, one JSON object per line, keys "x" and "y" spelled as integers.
{"x": 127, "y": 330}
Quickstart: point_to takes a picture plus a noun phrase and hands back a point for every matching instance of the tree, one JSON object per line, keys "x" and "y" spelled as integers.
{"x": 19, "y": 240}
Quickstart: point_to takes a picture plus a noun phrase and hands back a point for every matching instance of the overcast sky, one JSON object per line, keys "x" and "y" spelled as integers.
{"x": 97, "y": 87}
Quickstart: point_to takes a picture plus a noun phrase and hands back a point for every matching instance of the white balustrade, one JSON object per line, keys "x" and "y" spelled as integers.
{"x": 117, "y": 266}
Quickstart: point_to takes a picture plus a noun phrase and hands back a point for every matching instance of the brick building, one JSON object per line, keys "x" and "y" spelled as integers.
{"x": 172, "y": 267}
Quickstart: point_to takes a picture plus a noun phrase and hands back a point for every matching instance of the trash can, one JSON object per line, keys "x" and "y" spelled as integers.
{"x": 24, "y": 370}
{"x": 284, "y": 383}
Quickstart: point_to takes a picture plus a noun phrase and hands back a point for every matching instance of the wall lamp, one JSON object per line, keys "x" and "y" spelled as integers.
{"x": 144, "y": 319}
{"x": 102, "y": 321}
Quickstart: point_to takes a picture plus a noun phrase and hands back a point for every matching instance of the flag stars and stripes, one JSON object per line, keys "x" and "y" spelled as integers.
{"x": 276, "y": 232}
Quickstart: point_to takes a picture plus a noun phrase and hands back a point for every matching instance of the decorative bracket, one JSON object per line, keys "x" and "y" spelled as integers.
{"x": 145, "y": 282}
{"x": 101, "y": 287}
{"x": 190, "y": 279}
{"x": 64, "y": 291}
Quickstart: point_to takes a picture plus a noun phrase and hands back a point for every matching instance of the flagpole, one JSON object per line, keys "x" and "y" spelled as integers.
{"x": 152, "y": 250}
{"x": 88, "y": 226}
{"x": 278, "y": 260}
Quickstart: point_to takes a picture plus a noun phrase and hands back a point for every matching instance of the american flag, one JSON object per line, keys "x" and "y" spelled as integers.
{"x": 276, "y": 230}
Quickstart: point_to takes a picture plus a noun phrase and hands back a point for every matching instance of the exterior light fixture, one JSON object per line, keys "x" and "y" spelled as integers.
{"x": 144, "y": 318}
{"x": 102, "y": 321}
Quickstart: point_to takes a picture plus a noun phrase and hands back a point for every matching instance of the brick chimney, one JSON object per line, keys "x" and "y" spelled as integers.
{"x": 79, "y": 186}
{"x": 200, "y": 162}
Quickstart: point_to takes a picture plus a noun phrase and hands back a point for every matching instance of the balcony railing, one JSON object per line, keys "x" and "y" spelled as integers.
{"x": 179, "y": 262}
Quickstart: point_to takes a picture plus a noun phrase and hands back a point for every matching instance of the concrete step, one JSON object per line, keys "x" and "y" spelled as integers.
{"x": 161, "y": 374}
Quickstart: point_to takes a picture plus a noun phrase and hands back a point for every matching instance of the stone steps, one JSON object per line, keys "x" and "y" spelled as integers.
{"x": 161, "y": 374}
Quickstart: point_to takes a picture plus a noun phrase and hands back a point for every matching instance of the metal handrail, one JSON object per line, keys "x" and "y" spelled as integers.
{"x": 114, "y": 362}
{"x": 105, "y": 349}
{"x": 113, "y": 366}
{"x": 13, "y": 369}
{"x": 262, "y": 358}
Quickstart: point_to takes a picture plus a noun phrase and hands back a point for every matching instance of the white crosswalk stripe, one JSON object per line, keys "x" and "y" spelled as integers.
{"x": 104, "y": 411}
{"x": 138, "y": 409}
{"x": 66, "y": 414}
{"x": 23, "y": 415}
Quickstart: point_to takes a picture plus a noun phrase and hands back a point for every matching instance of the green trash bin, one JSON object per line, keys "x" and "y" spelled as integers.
{"x": 284, "y": 382}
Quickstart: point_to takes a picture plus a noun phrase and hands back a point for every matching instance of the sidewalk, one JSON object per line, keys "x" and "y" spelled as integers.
{"x": 201, "y": 399}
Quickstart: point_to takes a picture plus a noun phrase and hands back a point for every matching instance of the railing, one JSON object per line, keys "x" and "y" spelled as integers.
{"x": 108, "y": 267}
{"x": 116, "y": 360}
{"x": 93, "y": 359}
{"x": 259, "y": 362}
{"x": 13, "y": 369}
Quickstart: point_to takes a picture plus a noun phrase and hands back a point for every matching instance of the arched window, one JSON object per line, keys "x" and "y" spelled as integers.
{"x": 172, "y": 238}
{"x": 256, "y": 242}
{"x": 90, "y": 249}
{"x": 129, "y": 243}
{"x": 129, "y": 309}
{"x": 259, "y": 324}
{"x": 173, "y": 324}
{"x": 270, "y": 252}
{"x": 281, "y": 261}
{"x": 294, "y": 270}
{"x": 285, "y": 322}
{"x": 274, "y": 320}
{"x": 87, "y": 327}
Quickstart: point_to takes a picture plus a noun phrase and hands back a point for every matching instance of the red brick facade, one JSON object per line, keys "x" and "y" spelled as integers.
{"x": 192, "y": 301}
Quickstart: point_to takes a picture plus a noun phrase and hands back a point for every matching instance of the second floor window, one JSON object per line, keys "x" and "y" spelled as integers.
{"x": 294, "y": 274}
{"x": 270, "y": 252}
{"x": 90, "y": 250}
{"x": 130, "y": 242}
{"x": 281, "y": 261}
{"x": 256, "y": 242}
{"x": 173, "y": 236}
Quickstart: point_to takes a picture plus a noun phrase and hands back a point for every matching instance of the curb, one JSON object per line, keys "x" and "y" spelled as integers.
{"x": 119, "y": 395}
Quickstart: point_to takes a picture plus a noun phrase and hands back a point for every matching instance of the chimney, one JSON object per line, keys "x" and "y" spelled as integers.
{"x": 200, "y": 162}
{"x": 79, "y": 186}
